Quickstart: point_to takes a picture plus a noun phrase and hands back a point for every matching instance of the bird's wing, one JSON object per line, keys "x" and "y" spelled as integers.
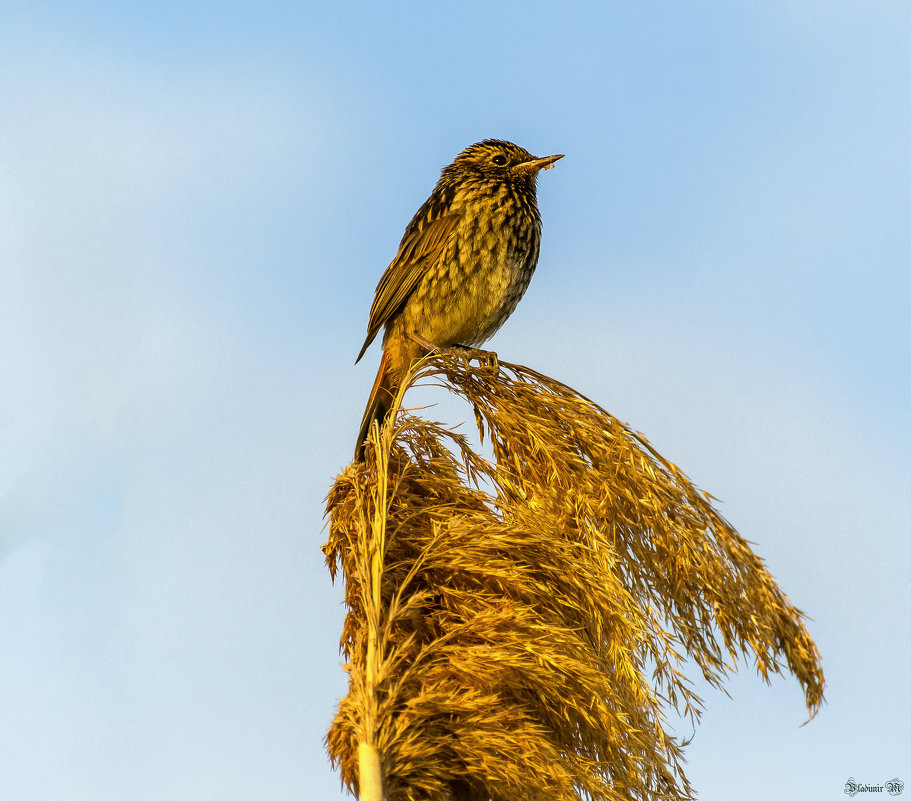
{"x": 422, "y": 246}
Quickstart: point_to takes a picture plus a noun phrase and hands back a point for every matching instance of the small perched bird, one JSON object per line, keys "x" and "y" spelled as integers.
{"x": 462, "y": 266}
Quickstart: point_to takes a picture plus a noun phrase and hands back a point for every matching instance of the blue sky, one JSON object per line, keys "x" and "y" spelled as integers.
{"x": 196, "y": 202}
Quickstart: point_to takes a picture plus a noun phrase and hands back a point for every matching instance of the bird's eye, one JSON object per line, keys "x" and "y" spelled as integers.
{"x": 499, "y": 159}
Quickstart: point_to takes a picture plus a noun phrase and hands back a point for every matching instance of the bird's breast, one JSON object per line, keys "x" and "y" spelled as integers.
{"x": 481, "y": 276}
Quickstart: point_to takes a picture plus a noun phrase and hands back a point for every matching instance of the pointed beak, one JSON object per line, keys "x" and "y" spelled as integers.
{"x": 535, "y": 165}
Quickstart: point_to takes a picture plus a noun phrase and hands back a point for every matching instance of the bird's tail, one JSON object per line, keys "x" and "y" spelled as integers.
{"x": 381, "y": 397}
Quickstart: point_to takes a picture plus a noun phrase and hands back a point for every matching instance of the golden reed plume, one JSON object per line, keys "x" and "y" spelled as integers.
{"x": 517, "y": 627}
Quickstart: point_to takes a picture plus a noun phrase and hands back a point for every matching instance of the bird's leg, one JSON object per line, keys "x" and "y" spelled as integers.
{"x": 486, "y": 357}
{"x": 425, "y": 343}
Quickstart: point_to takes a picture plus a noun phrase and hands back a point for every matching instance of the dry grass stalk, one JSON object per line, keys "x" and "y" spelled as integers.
{"x": 515, "y": 629}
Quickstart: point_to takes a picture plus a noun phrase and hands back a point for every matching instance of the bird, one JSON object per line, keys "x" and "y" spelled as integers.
{"x": 463, "y": 265}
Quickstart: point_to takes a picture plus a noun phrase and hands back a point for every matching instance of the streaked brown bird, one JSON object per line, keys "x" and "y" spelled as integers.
{"x": 462, "y": 266}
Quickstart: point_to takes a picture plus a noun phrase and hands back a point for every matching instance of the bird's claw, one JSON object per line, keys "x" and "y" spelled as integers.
{"x": 486, "y": 358}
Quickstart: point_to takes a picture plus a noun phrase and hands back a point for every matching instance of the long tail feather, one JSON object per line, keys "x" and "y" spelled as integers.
{"x": 399, "y": 354}
{"x": 377, "y": 406}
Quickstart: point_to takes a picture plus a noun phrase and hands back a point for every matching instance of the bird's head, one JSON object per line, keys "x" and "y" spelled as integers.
{"x": 494, "y": 158}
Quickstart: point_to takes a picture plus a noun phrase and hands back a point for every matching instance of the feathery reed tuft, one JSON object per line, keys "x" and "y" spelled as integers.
{"x": 515, "y": 628}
